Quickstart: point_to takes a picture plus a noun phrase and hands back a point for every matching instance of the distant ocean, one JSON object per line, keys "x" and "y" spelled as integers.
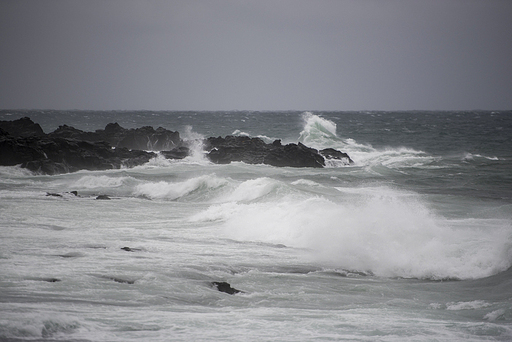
{"x": 413, "y": 242}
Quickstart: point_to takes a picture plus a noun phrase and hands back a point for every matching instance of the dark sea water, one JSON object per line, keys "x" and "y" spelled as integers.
{"x": 413, "y": 242}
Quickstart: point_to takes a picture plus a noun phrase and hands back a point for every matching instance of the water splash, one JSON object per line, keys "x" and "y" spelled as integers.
{"x": 318, "y": 132}
{"x": 389, "y": 232}
{"x": 321, "y": 133}
{"x": 195, "y": 143}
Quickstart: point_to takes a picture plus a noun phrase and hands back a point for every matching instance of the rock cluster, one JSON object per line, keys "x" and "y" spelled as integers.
{"x": 67, "y": 149}
{"x": 144, "y": 138}
{"x": 256, "y": 151}
{"x": 49, "y": 154}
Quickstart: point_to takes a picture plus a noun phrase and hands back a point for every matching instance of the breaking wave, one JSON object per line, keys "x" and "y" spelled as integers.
{"x": 193, "y": 189}
{"x": 320, "y": 133}
{"x": 378, "y": 229}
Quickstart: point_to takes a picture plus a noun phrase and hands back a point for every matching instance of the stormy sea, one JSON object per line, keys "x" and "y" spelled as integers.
{"x": 410, "y": 242}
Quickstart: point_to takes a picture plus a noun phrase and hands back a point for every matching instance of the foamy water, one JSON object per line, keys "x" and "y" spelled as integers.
{"x": 405, "y": 244}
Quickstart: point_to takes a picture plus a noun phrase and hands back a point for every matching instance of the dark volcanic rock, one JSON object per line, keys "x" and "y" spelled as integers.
{"x": 294, "y": 155}
{"x": 147, "y": 138}
{"x": 330, "y": 153}
{"x": 23, "y": 127}
{"x": 176, "y": 153}
{"x": 245, "y": 149}
{"x": 68, "y": 149}
{"x": 256, "y": 151}
{"x": 68, "y": 132}
{"x": 144, "y": 138}
{"x": 57, "y": 155}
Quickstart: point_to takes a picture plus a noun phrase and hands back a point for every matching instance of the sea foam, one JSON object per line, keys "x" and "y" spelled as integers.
{"x": 321, "y": 133}
{"x": 93, "y": 182}
{"x": 385, "y": 231}
{"x": 200, "y": 186}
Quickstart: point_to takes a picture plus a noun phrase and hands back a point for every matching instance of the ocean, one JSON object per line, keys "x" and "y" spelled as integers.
{"x": 411, "y": 242}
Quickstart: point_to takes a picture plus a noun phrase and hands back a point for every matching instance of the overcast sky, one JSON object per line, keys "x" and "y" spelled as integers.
{"x": 256, "y": 54}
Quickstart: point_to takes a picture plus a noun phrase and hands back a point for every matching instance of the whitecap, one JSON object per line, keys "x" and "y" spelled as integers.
{"x": 318, "y": 132}
{"x": 93, "y": 182}
{"x": 306, "y": 182}
{"x": 251, "y": 190}
{"x": 171, "y": 191}
{"x": 388, "y": 232}
{"x": 321, "y": 133}
{"x": 494, "y": 315}
{"x": 472, "y": 305}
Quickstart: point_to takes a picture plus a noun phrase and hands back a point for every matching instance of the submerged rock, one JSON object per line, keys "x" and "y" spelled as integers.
{"x": 53, "y": 194}
{"x": 222, "y": 286}
{"x": 129, "y": 249}
{"x": 62, "y": 194}
{"x": 51, "y": 280}
{"x": 119, "y": 280}
{"x": 48, "y": 280}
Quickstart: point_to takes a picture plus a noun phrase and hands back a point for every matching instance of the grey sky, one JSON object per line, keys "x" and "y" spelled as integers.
{"x": 256, "y": 54}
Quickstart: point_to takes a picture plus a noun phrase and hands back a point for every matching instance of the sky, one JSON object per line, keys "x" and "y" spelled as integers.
{"x": 256, "y": 54}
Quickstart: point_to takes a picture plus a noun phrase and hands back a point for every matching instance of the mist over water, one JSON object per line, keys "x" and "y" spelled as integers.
{"x": 413, "y": 241}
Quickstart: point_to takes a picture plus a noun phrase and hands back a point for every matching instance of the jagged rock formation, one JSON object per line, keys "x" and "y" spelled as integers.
{"x": 23, "y": 127}
{"x": 256, "y": 151}
{"x": 68, "y": 149}
{"x": 52, "y": 155}
{"x": 144, "y": 138}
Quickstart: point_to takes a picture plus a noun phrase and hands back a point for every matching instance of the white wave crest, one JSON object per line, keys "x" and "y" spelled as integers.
{"x": 306, "y": 182}
{"x": 475, "y": 304}
{"x": 471, "y": 157}
{"x": 495, "y": 315}
{"x": 262, "y": 137}
{"x": 93, "y": 182}
{"x": 320, "y": 133}
{"x": 252, "y": 189}
{"x": 240, "y": 133}
{"x": 195, "y": 144}
{"x": 13, "y": 171}
{"x": 157, "y": 162}
{"x": 171, "y": 191}
{"x": 387, "y": 232}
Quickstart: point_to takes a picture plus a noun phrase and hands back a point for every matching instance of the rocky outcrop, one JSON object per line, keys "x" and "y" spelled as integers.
{"x": 48, "y": 155}
{"x": 332, "y": 154}
{"x": 256, "y": 151}
{"x": 179, "y": 152}
{"x": 68, "y": 149}
{"x": 144, "y": 138}
{"x": 23, "y": 127}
